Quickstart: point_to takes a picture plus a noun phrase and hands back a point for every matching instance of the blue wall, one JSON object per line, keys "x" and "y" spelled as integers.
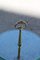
{"x": 30, "y": 49}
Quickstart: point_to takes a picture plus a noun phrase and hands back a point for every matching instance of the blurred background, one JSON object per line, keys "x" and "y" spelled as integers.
{"x": 12, "y": 11}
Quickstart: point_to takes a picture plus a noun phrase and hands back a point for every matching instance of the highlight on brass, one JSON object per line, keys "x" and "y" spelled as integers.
{"x": 20, "y": 24}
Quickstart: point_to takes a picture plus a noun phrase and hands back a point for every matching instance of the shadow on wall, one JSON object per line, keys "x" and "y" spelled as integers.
{"x": 38, "y": 58}
{"x": 2, "y": 58}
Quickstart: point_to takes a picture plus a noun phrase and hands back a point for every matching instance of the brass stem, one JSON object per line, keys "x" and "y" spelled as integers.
{"x": 19, "y": 44}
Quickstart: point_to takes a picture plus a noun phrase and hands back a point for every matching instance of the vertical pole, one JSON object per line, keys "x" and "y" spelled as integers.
{"x": 19, "y": 44}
